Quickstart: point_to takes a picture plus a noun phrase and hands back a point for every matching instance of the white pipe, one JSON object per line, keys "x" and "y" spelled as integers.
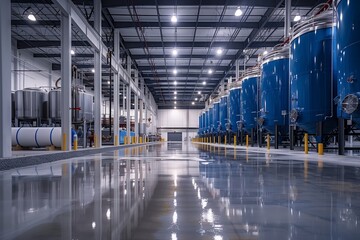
{"x": 36, "y": 137}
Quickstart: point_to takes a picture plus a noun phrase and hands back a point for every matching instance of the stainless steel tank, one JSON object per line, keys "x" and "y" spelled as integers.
{"x": 82, "y": 104}
{"x": 30, "y": 103}
{"x": 55, "y": 104}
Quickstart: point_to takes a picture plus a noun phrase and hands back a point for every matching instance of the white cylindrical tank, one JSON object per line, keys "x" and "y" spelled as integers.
{"x": 36, "y": 137}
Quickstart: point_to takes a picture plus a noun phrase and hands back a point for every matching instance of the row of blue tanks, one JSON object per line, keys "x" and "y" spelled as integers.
{"x": 307, "y": 83}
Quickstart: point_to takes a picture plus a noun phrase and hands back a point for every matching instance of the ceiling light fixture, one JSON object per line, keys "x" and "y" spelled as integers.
{"x": 72, "y": 52}
{"x": 297, "y": 18}
{"x": 175, "y": 92}
{"x": 174, "y": 52}
{"x": 174, "y": 97}
{"x": 175, "y": 71}
{"x": 219, "y": 52}
{"x": 199, "y": 92}
{"x": 174, "y": 107}
{"x": 175, "y": 102}
{"x": 204, "y": 83}
{"x": 193, "y": 103}
{"x": 174, "y": 18}
{"x": 238, "y": 12}
{"x": 108, "y": 82}
{"x": 31, "y": 17}
{"x": 175, "y": 82}
{"x": 196, "y": 99}
{"x": 265, "y": 52}
{"x": 92, "y": 70}
{"x": 210, "y": 71}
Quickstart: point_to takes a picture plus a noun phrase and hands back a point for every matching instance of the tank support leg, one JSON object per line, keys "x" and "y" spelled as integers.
{"x": 276, "y": 137}
{"x": 241, "y": 138}
{"x": 319, "y": 134}
{"x": 292, "y": 137}
{"x": 341, "y": 137}
{"x": 259, "y": 138}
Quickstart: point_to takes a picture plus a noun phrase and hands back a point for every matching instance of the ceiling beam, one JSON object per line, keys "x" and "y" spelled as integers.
{"x": 179, "y": 67}
{"x": 58, "y": 55}
{"x": 168, "y": 24}
{"x": 195, "y": 75}
{"x": 180, "y": 56}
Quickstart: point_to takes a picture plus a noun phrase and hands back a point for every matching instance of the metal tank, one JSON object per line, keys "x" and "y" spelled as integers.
{"x": 216, "y": 114}
{"x": 347, "y": 58}
{"x": 206, "y": 126}
{"x": 55, "y": 104}
{"x": 83, "y": 100}
{"x": 234, "y": 107}
{"x": 203, "y": 129}
{"x": 223, "y": 113}
{"x": 311, "y": 81}
{"x": 211, "y": 118}
{"x": 200, "y": 124}
{"x": 274, "y": 90}
{"x": 249, "y": 99}
{"x": 31, "y": 104}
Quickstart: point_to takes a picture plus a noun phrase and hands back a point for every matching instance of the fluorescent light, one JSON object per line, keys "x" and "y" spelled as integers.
{"x": 238, "y": 12}
{"x": 93, "y": 70}
{"x": 175, "y": 82}
{"x": 175, "y": 92}
{"x": 175, "y": 71}
{"x": 204, "y": 83}
{"x": 219, "y": 51}
{"x": 173, "y": 18}
{"x": 174, "y": 52}
{"x": 72, "y": 52}
{"x": 297, "y": 18}
{"x": 193, "y": 103}
{"x": 210, "y": 71}
{"x": 199, "y": 92}
{"x": 31, "y": 17}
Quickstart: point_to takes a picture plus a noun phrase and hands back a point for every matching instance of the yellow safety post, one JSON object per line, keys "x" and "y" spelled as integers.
{"x": 140, "y": 140}
{"x": 116, "y": 140}
{"x": 96, "y": 141}
{"x": 247, "y": 140}
{"x": 235, "y": 141}
{"x": 75, "y": 143}
{"x": 321, "y": 148}
{"x": 219, "y": 140}
{"x": 210, "y": 139}
{"x": 214, "y": 139}
{"x": 225, "y": 141}
{"x": 306, "y": 143}
{"x": 268, "y": 141}
{"x": 63, "y": 146}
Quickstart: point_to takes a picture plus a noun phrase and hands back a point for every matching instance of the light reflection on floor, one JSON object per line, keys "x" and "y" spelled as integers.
{"x": 181, "y": 191}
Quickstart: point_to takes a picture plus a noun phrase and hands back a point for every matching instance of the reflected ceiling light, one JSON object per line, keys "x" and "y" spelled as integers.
{"x": 210, "y": 71}
{"x": 204, "y": 83}
{"x": 219, "y": 52}
{"x": 175, "y": 92}
{"x": 196, "y": 99}
{"x": 175, "y": 82}
{"x": 173, "y": 18}
{"x": 175, "y": 71}
{"x": 193, "y": 103}
{"x": 72, "y": 52}
{"x": 199, "y": 92}
{"x": 238, "y": 12}
{"x": 92, "y": 70}
{"x": 297, "y": 18}
{"x": 174, "y": 52}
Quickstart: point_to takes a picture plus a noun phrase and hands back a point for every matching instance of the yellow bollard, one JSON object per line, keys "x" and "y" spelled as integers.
{"x": 225, "y": 140}
{"x": 268, "y": 141}
{"x": 140, "y": 140}
{"x": 219, "y": 140}
{"x": 75, "y": 143}
{"x": 247, "y": 141}
{"x": 116, "y": 140}
{"x": 63, "y": 146}
{"x": 96, "y": 144}
{"x": 321, "y": 148}
{"x": 306, "y": 143}
{"x": 214, "y": 139}
{"x": 235, "y": 141}
{"x": 210, "y": 139}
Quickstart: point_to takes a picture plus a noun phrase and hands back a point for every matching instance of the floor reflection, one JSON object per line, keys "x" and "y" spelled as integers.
{"x": 180, "y": 191}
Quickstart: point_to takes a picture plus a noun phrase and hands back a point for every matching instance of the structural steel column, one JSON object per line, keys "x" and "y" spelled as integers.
{"x": 116, "y": 89}
{"x": 136, "y": 108}
{"x": 5, "y": 77}
{"x": 66, "y": 81}
{"x": 97, "y": 78}
{"x": 128, "y": 99}
{"x": 141, "y": 120}
{"x": 287, "y": 18}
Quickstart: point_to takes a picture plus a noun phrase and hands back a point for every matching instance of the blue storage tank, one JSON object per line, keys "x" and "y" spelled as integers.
{"x": 311, "y": 85}
{"x": 249, "y": 99}
{"x": 348, "y": 64}
{"x": 274, "y": 90}
{"x": 200, "y": 124}
{"x": 234, "y": 107}
{"x": 223, "y": 113}
{"x": 211, "y": 114}
{"x": 203, "y": 118}
{"x": 207, "y": 120}
{"x": 215, "y": 120}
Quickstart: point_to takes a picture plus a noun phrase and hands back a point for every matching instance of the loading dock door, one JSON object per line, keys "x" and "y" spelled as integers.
{"x": 174, "y": 136}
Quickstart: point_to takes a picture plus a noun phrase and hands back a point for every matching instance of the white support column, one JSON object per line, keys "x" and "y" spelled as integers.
{"x": 237, "y": 70}
{"x": 141, "y": 117}
{"x": 5, "y": 76}
{"x": 97, "y": 78}
{"x": 287, "y": 18}
{"x": 136, "y": 102}
{"x": 128, "y": 108}
{"x": 66, "y": 81}
{"x": 116, "y": 89}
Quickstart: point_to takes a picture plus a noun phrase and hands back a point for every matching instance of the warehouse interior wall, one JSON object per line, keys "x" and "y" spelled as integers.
{"x": 178, "y": 120}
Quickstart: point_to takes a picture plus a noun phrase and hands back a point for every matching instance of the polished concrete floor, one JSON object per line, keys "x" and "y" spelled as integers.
{"x": 181, "y": 191}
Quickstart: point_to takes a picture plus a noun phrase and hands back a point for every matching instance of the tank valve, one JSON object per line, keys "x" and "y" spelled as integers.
{"x": 294, "y": 114}
{"x": 350, "y": 103}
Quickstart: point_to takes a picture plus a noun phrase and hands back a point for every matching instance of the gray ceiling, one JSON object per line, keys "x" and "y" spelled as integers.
{"x": 149, "y": 37}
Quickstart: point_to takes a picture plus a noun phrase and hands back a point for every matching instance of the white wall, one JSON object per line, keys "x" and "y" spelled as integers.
{"x": 179, "y": 120}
